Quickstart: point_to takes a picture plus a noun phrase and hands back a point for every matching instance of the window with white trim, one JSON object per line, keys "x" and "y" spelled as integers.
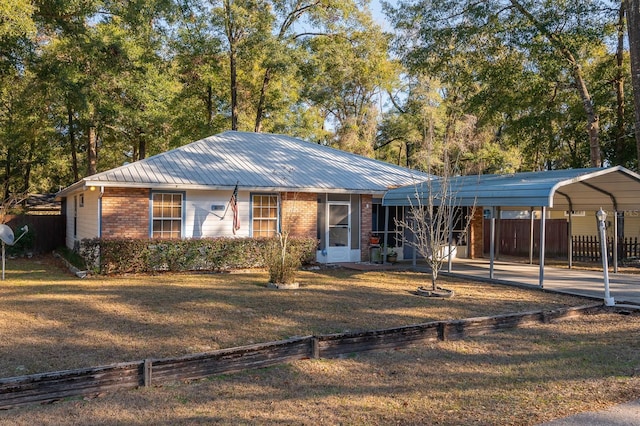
{"x": 166, "y": 215}
{"x": 265, "y": 215}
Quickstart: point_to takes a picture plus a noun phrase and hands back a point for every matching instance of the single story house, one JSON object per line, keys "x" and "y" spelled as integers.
{"x": 244, "y": 185}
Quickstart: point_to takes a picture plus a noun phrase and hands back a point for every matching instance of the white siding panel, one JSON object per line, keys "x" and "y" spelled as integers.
{"x": 203, "y": 222}
{"x": 69, "y": 240}
{"x": 88, "y": 218}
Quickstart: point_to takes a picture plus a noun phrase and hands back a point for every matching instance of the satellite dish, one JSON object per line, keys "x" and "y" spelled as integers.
{"x": 6, "y": 234}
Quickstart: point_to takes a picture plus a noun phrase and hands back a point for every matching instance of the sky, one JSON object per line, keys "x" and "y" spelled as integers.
{"x": 376, "y": 10}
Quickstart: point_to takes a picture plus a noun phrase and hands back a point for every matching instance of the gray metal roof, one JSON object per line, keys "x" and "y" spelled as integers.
{"x": 574, "y": 189}
{"x": 256, "y": 161}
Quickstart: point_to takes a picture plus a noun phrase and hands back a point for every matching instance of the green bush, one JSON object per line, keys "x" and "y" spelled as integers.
{"x": 118, "y": 256}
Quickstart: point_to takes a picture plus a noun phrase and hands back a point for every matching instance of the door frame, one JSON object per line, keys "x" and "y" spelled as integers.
{"x": 338, "y": 254}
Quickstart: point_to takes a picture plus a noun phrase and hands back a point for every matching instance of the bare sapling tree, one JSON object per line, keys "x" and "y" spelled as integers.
{"x": 282, "y": 254}
{"x": 435, "y": 212}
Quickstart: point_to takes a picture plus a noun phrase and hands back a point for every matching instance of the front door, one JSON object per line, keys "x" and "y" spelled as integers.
{"x": 339, "y": 231}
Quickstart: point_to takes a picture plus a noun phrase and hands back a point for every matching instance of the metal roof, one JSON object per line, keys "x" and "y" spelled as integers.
{"x": 573, "y": 189}
{"x": 256, "y": 161}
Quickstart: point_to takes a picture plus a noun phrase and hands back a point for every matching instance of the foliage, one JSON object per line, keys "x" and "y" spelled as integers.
{"x": 530, "y": 72}
{"x": 73, "y": 257}
{"x": 118, "y": 256}
{"x": 283, "y": 256}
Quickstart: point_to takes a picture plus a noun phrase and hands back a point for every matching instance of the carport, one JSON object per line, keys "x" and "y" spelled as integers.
{"x": 615, "y": 189}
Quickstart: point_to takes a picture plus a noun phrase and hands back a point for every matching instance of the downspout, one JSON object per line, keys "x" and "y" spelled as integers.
{"x": 100, "y": 211}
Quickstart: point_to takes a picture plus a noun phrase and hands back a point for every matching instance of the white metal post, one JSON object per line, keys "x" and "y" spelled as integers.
{"x": 602, "y": 217}
{"x": 492, "y": 241}
{"x": 543, "y": 221}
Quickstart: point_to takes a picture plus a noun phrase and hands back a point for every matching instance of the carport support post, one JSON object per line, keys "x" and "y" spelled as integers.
{"x": 543, "y": 220}
{"x": 602, "y": 217}
{"x": 531, "y": 217}
{"x": 570, "y": 231}
{"x": 492, "y": 241}
{"x": 615, "y": 242}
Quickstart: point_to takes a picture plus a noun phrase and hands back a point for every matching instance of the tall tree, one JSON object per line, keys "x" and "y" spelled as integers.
{"x": 503, "y": 40}
{"x": 633, "y": 29}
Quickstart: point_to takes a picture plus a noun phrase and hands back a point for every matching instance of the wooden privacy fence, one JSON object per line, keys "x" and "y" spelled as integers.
{"x": 586, "y": 248}
{"x": 48, "y": 230}
{"x": 513, "y": 237}
{"x": 53, "y": 386}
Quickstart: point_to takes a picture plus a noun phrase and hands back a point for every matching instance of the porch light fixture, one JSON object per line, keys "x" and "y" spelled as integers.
{"x": 601, "y": 215}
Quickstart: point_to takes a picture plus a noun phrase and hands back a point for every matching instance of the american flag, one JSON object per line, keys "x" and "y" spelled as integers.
{"x": 234, "y": 207}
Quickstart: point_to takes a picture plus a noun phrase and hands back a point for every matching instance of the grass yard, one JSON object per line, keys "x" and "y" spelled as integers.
{"x": 50, "y": 320}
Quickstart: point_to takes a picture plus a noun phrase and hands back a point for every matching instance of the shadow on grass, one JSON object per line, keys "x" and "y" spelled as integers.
{"x": 53, "y": 321}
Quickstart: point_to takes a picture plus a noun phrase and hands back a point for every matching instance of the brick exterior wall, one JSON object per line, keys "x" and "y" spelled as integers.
{"x": 366, "y": 226}
{"x": 125, "y": 213}
{"x": 476, "y": 236}
{"x": 300, "y": 214}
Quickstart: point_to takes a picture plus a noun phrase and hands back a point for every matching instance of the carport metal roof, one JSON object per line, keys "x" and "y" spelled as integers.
{"x": 616, "y": 188}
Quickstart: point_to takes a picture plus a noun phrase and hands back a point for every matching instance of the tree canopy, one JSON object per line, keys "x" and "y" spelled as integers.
{"x": 495, "y": 86}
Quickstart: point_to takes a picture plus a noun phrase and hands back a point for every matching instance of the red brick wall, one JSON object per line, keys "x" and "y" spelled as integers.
{"x": 366, "y": 226}
{"x": 125, "y": 213}
{"x": 476, "y": 238}
{"x": 300, "y": 214}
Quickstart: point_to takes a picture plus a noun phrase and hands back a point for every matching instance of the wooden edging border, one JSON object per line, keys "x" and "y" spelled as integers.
{"x": 90, "y": 382}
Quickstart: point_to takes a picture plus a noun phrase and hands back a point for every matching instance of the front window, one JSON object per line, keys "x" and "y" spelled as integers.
{"x": 167, "y": 216}
{"x": 265, "y": 215}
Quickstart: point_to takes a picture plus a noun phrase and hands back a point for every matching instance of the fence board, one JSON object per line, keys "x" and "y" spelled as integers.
{"x": 48, "y": 387}
{"x": 586, "y": 248}
{"x": 515, "y": 239}
{"x": 230, "y": 360}
{"x": 339, "y": 344}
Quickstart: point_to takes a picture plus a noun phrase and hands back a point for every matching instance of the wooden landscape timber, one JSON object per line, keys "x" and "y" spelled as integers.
{"x": 90, "y": 382}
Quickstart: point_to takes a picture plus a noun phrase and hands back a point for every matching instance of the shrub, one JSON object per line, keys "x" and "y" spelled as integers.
{"x": 118, "y": 256}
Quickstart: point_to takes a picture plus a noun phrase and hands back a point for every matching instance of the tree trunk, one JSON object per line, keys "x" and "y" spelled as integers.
{"x": 620, "y": 133}
{"x": 7, "y": 175}
{"x": 234, "y": 90}
{"x": 593, "y": 121}
{"x": 261, "y": 101}
{"x": 142, "y": 145}
{"x": 92, "y": 150}
{"x": 633, "y": 29}
{"x": 27, "y": 167}
{"x": 209, "y": 105}
{"x": 233, "y": 63}
{"x": 72, "y": 144}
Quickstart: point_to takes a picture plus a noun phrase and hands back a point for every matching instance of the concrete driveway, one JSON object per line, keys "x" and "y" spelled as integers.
{"x": 624, "y": 288}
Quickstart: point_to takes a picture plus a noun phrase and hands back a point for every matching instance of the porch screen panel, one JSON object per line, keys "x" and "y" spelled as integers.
{"x": 265, "y": 215}
{"x": 166, "y": 216}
